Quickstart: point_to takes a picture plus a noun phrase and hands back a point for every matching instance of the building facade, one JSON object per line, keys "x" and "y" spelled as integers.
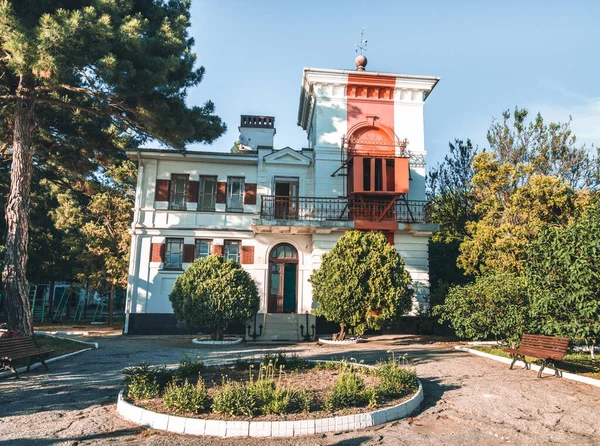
{"x": 277, "y": 211}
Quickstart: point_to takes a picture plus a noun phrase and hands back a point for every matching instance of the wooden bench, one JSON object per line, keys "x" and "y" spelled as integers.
{"x": 545, "y": 349}
{"x": 15, "y": 349}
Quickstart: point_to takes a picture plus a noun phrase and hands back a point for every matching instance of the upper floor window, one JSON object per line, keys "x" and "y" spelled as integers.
{"x": 203, "y": 249}
{"x": 174, "y": 253}
{"x": 178, "y": 192}
{"x": 235, "y": 194}
{"x": 207, "y": 193}
{"x": 232, "y": 250}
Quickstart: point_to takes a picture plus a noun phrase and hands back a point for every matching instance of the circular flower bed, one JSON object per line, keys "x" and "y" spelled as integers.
{"x": 274, "y": 396}
{"x": 344, "y": 342}
{"x": 209, "y": 341}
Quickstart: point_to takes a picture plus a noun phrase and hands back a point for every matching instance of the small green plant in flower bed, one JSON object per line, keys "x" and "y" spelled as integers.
{"x": 186, "y": 397}
{"x": 234, "y": 399}
{"x": 188, "y": 367}
{"x": 396, "y": 380}
{"x": 348, "y": 391}
{"x": 144, "y": 381}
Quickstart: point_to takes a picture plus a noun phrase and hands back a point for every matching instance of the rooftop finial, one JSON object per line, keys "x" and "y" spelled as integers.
{"x": 361, "y": 60}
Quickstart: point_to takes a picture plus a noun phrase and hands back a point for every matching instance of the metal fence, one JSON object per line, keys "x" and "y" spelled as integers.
{"x": 342, "y": 209}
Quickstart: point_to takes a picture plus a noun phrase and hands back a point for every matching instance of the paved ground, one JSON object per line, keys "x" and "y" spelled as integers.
{"x": 468, "y": 400}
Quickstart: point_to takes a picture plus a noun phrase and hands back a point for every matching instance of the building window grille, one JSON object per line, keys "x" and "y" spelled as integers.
{"x": 232, "y": 250}
{"x": 174, "y": 253}
{"x": 203, "y": 249}
{"x": 178, "y": 192}
{"x": 235, "y": 194}
{"x": 207, "y": 193}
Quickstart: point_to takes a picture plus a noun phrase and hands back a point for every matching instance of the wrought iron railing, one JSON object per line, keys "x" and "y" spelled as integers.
{"x": 343, "y": 209}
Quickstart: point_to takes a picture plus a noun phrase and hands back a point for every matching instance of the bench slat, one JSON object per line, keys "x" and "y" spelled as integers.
{"x": 541, "y": 347}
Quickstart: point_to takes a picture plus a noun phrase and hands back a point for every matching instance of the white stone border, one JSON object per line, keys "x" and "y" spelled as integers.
{"x": 221, "y": 428}
{"x": 51, "y": 335}
{"x": 344, "y": 342}
{"x": 223, "y": 343}
{"x": 51, "y": 360}
{"x": 66, "y": 333}
{"x": 547, "y": 371}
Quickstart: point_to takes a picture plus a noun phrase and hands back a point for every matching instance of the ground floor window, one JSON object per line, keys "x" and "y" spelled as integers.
{"x": 174, "y": 253}
{"x": 232, "y": 250}
{"x": 203, "y": 249}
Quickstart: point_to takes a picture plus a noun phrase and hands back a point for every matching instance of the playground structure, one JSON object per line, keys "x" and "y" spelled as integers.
{"x": 62, "y": 303}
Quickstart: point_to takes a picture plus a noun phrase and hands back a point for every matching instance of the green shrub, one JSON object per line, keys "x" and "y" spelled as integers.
{"x": 292, "y": 362}
{"x": 395, "y": 380}
{"x": 144, "y": 381}
{"x": 234, "y": 399}
{"x": 186, "y": 397}
{"x": 188, "y": 367}
{"x": 348, "y": 391}
{"x": 302, "y": 399}
{"x": 143, "y": 386}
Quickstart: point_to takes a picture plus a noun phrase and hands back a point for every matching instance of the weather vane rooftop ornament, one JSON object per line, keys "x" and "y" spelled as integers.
{"x": 361, "y": 60}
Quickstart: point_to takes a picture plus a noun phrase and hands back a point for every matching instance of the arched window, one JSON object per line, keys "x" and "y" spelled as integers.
{"x": 283, "y": 252}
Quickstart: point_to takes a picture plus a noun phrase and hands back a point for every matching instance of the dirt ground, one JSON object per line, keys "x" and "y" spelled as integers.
{"x": 468, "y": 399}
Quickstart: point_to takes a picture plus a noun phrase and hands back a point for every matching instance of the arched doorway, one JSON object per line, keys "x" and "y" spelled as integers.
{"x": 283, "y": 279}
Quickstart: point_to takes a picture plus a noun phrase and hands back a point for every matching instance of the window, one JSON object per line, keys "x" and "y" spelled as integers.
{"x": 174, "y": 253}
{"x": 178, "y": 192}
{"x": 203, "y": 249}
{"x": 232, "y": 250}
{"x": 207, "y": 193}
{"x": 235, "y": 194}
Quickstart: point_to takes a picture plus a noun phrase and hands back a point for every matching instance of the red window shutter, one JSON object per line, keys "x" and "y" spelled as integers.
{"x": 390, "y": 237}
{"x": 221, "y": 192}
{"x": 401, "y": 169}
{"x": 247, "y": 255}
{"x": 357, "y": 170}
{"x": 192, "y": 193}
{"x": 162, "y": 190}
{"x": 188, "y": 253}
{"x": 249, "y": 194}
{"x": 218, "y": 250}
{"x": 157, "y": 253}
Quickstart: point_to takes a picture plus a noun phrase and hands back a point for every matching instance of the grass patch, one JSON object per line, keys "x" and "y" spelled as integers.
{"x": 575, "y": 362}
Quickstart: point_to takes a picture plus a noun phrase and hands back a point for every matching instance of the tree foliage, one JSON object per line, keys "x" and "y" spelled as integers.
{"x": 82, "y": 81}
{"x": 450, "y": 194}
{"x": 494, "y": 306}
{"x": 361, "y": 283}
{"x": 213, "y": 292}
{"x": 563, "y": 271}
{"x": 534, "y": 174}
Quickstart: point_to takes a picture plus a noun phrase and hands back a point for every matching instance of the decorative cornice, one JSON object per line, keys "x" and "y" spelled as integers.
{"x": 417, "y": 159}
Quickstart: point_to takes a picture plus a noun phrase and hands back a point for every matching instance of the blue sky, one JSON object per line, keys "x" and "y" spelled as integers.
{"x": 490, "y": 55}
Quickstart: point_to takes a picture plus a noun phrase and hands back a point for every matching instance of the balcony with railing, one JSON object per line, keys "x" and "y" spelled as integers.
{"x": 316, "y": 209}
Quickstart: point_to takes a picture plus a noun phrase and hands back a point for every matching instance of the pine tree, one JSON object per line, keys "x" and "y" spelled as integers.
{"x": 82, "y": 81}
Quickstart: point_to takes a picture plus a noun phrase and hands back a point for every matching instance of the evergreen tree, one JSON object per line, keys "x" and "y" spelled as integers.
{"x": 82, "y": 81}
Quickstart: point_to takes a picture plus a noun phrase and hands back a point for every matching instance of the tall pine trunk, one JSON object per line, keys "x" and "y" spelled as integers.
{"x": 14, "y": 280}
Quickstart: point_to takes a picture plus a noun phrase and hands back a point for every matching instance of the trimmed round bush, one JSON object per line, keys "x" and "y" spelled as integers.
{"x": 214, "y": 292}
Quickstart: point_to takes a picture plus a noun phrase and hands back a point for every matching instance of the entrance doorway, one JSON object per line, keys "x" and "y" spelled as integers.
{"x": 286, "y": 198}
{"x": 283, "y": 279}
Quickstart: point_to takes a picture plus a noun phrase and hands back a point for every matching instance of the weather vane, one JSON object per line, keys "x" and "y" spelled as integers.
{"x": 362, "y": 46}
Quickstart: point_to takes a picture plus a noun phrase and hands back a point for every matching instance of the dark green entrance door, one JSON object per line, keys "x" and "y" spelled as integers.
{"x": 289, "y": 288}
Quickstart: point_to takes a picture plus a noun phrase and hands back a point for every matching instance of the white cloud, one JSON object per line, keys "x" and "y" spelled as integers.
{"x": 585, "y": 112}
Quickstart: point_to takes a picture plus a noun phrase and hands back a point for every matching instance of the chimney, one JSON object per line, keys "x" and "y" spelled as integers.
{"x": 256, "y": 131}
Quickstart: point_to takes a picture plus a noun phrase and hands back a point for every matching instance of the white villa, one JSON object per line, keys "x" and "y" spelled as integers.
{"x": 277, "y": 210}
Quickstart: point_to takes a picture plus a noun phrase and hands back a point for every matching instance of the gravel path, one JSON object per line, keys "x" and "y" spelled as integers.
{"x": 468, "y": 399}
